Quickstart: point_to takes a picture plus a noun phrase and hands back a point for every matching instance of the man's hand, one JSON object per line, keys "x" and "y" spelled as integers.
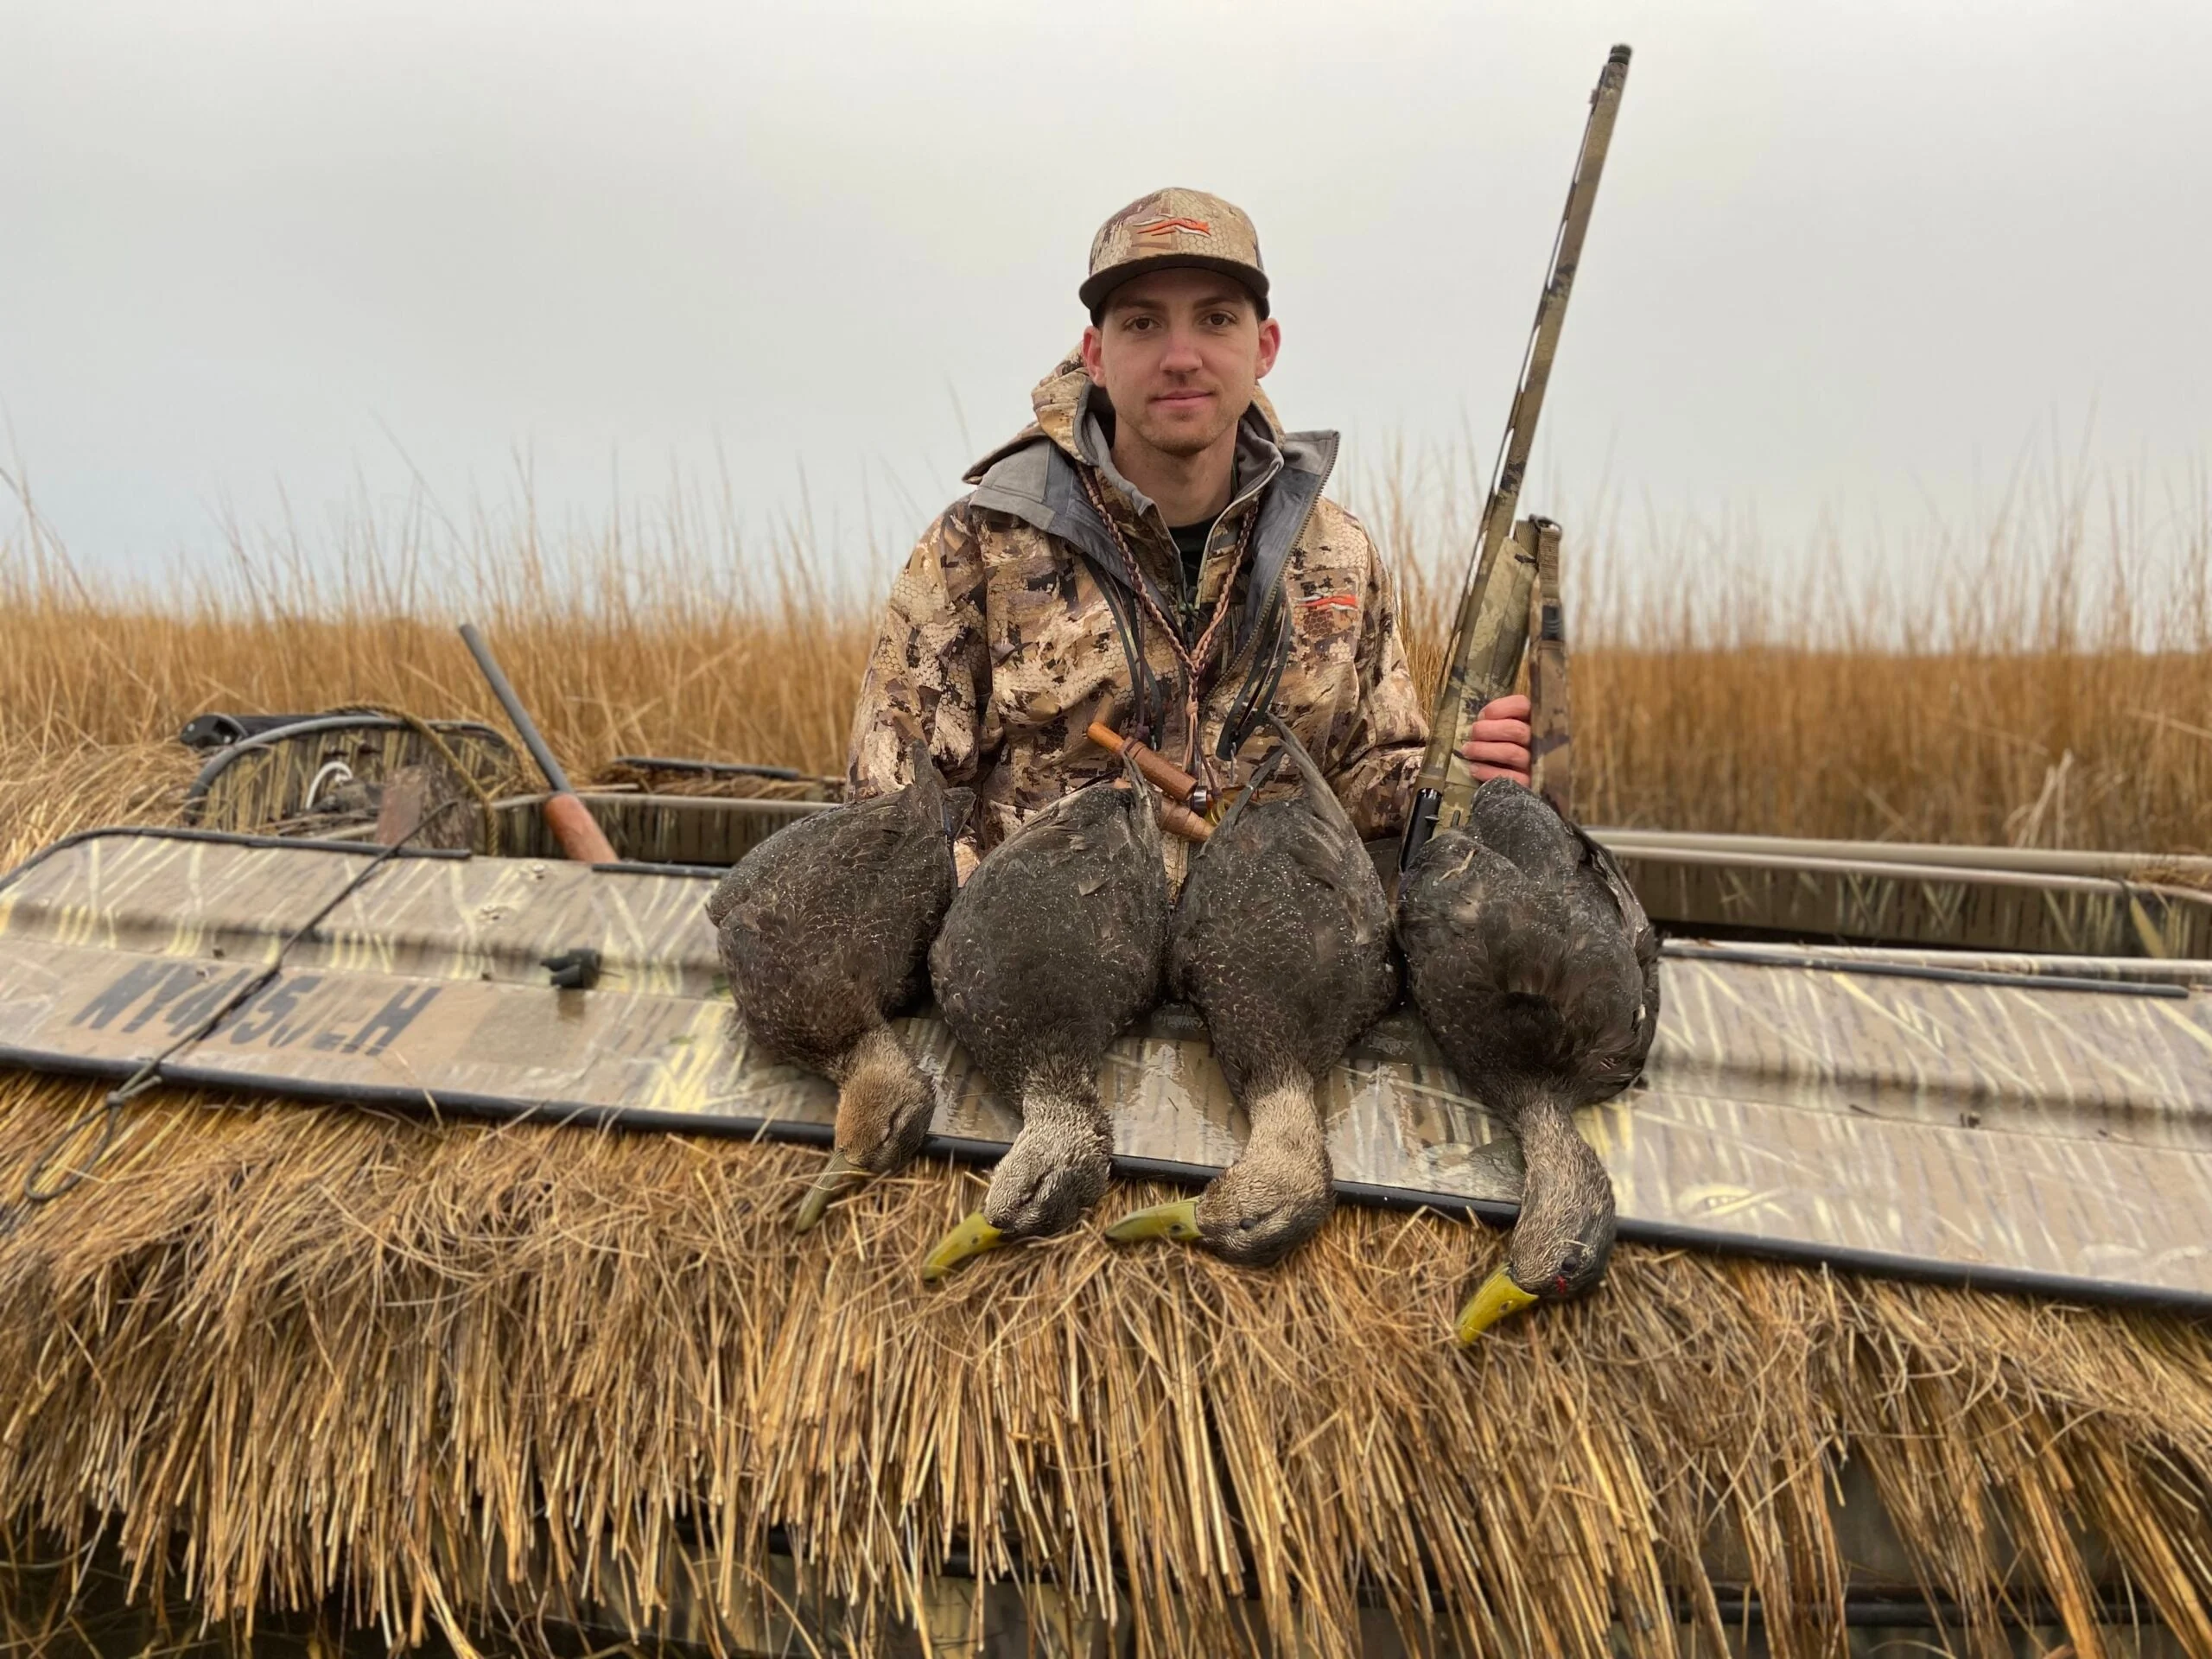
{"x": 1497, "y": 743}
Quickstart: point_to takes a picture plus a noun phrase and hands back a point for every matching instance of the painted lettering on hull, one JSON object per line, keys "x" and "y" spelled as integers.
{"x": 126, "y": 989}
{"x": 386, "y": 1023}
{"x": 179, "y": 995}
{"x": 263, "y": 1017}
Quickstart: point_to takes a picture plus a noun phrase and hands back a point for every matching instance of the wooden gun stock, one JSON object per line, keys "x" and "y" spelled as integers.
{"x": 575, "y": 831}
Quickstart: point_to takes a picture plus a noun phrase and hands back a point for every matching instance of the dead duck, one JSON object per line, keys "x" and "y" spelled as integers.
{"x": 1533, "y": 963}
{"x": 1281, "y": 937}
{"x": 1050, "y": 952}
{"x": 824, "y": 931}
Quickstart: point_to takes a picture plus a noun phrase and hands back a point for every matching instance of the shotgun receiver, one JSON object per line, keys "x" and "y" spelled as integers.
{"x": 1491, "y": 630}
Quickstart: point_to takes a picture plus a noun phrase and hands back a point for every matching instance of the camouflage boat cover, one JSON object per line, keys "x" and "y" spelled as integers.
{"x": 2014, "y": 1133}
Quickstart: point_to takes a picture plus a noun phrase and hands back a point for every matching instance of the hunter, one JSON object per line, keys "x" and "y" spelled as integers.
{"x": 1154, "y": 552}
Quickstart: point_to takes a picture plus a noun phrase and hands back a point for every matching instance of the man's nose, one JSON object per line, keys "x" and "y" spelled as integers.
{"x": 1182, "y": 354}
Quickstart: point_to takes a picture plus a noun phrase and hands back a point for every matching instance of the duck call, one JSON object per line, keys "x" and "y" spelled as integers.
{"x": 1176, "y": 786}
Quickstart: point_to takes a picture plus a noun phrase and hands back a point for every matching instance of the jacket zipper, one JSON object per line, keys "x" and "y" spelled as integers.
{"x": 1305, "y": 524}
{"x": 1191, "y": 607}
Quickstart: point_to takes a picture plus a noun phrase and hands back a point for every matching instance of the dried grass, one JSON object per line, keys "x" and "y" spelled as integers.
{"x": 2044, "y": 681}
{"x": 336, "y": 1353}
{"x": 278, "y": 1354}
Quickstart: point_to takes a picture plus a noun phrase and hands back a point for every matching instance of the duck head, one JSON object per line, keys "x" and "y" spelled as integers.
{"x": 1053, "y": 1172}
{"x": 1246, "y": 1216}
{"x": 1265, "y": 1205}
{"x": 884, "y": 1106}
{"x": 1564, "y": 1237}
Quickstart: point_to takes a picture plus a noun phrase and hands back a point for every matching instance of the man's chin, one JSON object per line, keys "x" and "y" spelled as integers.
{"x": 1179, "y": 440}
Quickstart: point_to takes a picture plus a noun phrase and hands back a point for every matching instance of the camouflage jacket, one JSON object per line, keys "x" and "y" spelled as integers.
{"x": 1010, "y": 629}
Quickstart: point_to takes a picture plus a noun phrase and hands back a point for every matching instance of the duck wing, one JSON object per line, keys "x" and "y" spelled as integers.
{"x": 1282, "y": 933}
{"x": 823, "y": 928}
{"x": 1053, "y": 946}
{"x": 1624, "y": 1063}
{"x": 1283, "y": 945}
{"x": 1529, "y": 953}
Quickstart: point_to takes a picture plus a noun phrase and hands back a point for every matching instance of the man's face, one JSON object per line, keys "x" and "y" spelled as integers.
{"x": 1178, "y": 353}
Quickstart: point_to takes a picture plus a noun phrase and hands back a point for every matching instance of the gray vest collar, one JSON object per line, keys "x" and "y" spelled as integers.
{"x": 1038, "y": 484}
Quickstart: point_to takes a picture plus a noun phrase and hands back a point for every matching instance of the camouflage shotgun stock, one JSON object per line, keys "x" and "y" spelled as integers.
{"x": 1551, "y": 708}
{"x": 1492, "y": 626}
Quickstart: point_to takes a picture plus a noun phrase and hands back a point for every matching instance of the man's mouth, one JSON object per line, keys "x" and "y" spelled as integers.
{"x": 1182, "y": 399}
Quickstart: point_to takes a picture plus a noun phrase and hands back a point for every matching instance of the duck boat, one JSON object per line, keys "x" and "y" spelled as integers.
{"x": 1868, "y": 1057}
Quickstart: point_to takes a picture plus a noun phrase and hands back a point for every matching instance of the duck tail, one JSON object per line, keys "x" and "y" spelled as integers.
{"x": 1319, "y": 797}
{"x": 1146, "y": 814}
{"x": 1262, "y": 775}
{"x": 933, "y": 802}
{"x": 924, "y": 784}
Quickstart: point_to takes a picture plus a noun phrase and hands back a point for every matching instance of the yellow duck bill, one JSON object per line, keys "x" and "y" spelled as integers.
{"x": 972, "y": 1236}
{"x": 1178, "y": 1221}
{"x": 838, "y": 1177}
{"x": 1498, "y": 1296}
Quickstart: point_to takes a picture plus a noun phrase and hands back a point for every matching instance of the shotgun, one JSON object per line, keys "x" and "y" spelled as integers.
{"x": 1491, "y": 630}
{"x": 569, "y": 819}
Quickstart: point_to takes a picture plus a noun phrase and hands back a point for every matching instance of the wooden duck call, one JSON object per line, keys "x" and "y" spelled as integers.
{"x": 1175, "y": 785}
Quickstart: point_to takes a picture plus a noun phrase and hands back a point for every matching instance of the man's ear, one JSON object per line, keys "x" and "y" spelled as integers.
{"x": 1270, "y": 343}
{"x": 1093, "y": 358}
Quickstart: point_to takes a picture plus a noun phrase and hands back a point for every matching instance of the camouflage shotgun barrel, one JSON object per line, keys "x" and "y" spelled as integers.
{"x": 1491, "y": 630}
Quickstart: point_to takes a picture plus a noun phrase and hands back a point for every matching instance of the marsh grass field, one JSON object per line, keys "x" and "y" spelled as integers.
{"x": 2043, "y": 679}
{"x": 356, "y": 1368}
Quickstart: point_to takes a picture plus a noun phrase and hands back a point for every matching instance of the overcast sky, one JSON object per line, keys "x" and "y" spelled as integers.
{"x": 1855, "y": 255}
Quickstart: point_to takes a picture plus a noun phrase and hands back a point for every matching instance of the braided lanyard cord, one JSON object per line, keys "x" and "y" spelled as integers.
{"x": 1193, "y": 659}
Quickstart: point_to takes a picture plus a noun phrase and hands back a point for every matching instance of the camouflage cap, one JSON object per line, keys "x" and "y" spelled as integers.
{"x": 1169, "y": 228}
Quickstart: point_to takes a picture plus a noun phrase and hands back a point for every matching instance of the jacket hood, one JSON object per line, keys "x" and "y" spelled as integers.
{"x": 1060, "y": 401}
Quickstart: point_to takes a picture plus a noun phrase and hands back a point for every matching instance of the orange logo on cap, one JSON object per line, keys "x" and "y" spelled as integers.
{"x": 1169, "y": 226}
